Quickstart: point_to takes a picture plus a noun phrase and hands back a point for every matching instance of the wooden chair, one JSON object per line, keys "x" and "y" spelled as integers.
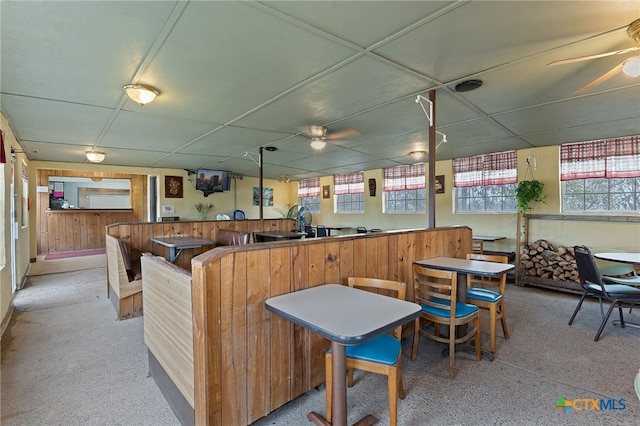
{"x": 491, "y": 300}
{"x": 477, "y": 246}
{"x": 436, "y": 292}
{"x": 380, "y": 355}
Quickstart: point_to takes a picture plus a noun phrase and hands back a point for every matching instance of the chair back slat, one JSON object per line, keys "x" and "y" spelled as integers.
{"x": 430, "y": 284}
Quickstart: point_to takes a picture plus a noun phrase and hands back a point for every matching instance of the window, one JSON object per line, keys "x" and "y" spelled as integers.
{"x": 309, "y": 194}
{"x": 486, "y": 183}
{"x": 601, "y": 176}
{"x": 405, "y": 189}
{"x": 25, "y": 195}
{"x": 349, "y": 193}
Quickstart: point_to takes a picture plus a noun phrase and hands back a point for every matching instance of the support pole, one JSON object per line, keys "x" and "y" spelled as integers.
{"x": 261, "y": 183}
{"x": 431, "y": 193}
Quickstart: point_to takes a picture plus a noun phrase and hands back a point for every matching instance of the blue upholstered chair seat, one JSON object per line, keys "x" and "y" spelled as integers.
{"x": 462, "y": 309}
{"x": 483, "y": 294}
{"x": 383, "y": 349}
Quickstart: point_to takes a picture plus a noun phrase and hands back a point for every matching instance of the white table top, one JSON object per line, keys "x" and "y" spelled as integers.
{"x": 475, "y": 267}
{"x": 633, "y": 258}
{"x": 343, "y": 314}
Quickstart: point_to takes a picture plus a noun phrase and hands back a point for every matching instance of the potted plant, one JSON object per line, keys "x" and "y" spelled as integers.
{"x": 527, "y": 192}
{"x": 204, "y": 210}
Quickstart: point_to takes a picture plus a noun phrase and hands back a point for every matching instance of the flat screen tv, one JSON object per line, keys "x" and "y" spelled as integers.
{"x": 209, "y": 181}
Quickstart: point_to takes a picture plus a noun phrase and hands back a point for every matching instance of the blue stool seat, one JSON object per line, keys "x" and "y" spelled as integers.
{"x": 483, "y": 294}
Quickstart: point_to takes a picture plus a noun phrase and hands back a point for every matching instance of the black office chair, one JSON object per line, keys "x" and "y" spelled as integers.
{"x": 375, "y": 230}
{"x": 310, "y": 233}
{"x": 321, "y": 231}
{"x": 593, "y": 285}
{"x": 361, "y": 230}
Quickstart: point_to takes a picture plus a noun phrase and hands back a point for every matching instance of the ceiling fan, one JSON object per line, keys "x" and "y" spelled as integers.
{"x": 319, "y": 136}
{"x": 630, "y": 66}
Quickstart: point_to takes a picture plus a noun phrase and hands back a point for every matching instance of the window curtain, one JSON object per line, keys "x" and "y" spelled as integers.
{"x": 352, "y": 183}
{"x": 3, "y": 156}
{"x": 404, "y": 177}
{"x": 490, "y": 169}
{"x": 607, "y": 158}
{"x": 309, "y": 188}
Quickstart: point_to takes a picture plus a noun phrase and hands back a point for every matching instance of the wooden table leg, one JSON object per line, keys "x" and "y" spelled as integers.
{"x": 339, "y": 393}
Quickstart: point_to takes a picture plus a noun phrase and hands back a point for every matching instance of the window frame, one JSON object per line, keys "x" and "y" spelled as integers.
{"x": 480, "y": 177}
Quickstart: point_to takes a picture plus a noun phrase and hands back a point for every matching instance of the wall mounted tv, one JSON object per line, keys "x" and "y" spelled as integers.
{"x": 210, "y": 181}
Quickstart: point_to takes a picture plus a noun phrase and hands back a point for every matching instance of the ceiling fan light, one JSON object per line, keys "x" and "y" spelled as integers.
{"x": 95, "y": 156}
{"x": 418, "y": 155}
{"x": 631, "y": 67}
{"x": 141, "y": 93}
{"x": 318, "y": 144}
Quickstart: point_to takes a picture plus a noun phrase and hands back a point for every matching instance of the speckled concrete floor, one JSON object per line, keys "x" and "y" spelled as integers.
{"x": 66, "y": 360}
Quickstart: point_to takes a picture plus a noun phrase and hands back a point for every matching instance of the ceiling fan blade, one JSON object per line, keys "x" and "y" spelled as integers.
{"x": 604, "y": 77}
{"x": 600, "y": 55}
{"x": 343, "y": 134}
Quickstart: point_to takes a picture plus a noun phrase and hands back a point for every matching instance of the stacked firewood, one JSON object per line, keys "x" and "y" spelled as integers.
{"x": 541, "y": 260}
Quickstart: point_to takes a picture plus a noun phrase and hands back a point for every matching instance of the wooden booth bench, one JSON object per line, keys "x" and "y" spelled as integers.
{"x": 126, "y": 241}
{"x": 124, "y": 280}
{"x": 246, "y": 361}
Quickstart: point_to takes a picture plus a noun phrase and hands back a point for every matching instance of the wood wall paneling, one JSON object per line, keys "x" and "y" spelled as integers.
{"x": 72, "y": 230}
{"x": 249, "y": 361}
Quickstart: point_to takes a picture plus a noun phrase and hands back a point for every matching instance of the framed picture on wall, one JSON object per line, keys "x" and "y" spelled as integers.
{"x": 267, "y": 196}
{"x": 173, "y": 186}
{"x": 439, "y": 184}
{"x": 326, "y": 192}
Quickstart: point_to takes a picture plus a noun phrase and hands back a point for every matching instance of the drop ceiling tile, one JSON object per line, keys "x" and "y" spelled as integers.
{"x": 43, "y": 120}
{"x": 244, "y": 58}
{"x": 603, "y": 108}
{"x": 595, "y": 131}
{"x": 470, "y": 38}
{"x": 233, "y": 140}
{"x": 76, "y": 51}
{"x": 153, "y": 132}
{"x": 339, "y": 94}
{"x": 363, "y": 23}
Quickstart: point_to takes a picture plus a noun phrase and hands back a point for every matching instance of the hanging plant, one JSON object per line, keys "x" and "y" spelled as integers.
{"x": 527, "y": 192}
{"x": 204, "y": 210}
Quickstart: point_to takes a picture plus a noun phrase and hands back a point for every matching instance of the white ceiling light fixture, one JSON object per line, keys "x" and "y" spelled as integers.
{"x": 317, "y": 144}
{"x": 140, "y": 93}
{"x": 418, "y": 155}
{"x": 631, "y": 67}
{"x": 95, "y": 156}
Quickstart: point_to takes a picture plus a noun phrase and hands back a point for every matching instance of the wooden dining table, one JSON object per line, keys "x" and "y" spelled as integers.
{"x": 179, "y": 243}
{"x": 463, "y": 268}
{"x": 345, "y": 316}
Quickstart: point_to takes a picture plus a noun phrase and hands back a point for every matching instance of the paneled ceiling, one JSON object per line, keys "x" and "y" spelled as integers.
{"x": 235, "y": 76}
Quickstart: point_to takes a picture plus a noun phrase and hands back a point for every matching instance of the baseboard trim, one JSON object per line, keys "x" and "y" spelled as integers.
{"x": 7, "y": 319}
{"x": 178, "y": 403}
